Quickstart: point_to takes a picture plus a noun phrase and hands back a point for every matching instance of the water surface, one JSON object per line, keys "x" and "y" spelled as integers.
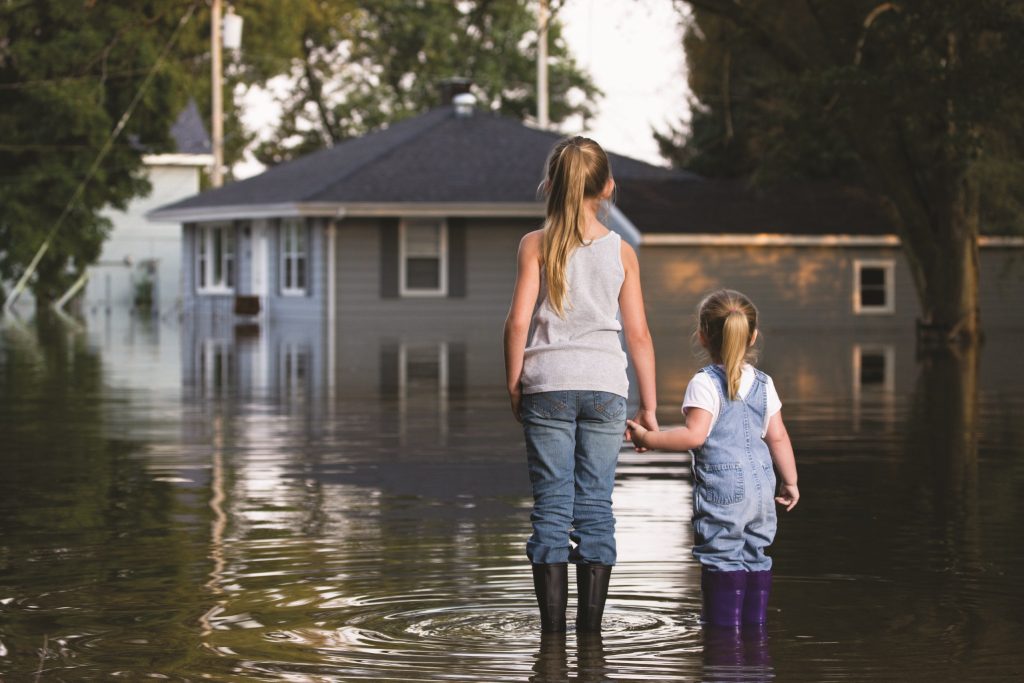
{"x": 189, "y": 504}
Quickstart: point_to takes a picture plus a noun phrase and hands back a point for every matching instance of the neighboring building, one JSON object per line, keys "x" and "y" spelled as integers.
{"x": 811, "y": 255}
{"x": 142, "y": 260}
{"x": 836, "y": 299}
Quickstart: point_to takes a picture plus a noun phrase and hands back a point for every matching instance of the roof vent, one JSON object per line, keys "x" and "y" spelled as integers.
{"x": 464, "y": 104}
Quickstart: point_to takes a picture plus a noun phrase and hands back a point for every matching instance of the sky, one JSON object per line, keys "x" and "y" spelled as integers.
{"x": 632, "y": 49}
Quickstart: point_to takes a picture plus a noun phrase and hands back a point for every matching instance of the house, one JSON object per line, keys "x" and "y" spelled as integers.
{"x": 418, "y": 219}
{"x": 141, "y": 262}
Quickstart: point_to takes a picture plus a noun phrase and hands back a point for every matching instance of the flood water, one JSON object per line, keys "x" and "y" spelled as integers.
{"x": 187, "y": 504}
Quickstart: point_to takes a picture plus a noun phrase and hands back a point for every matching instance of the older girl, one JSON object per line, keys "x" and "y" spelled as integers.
{"x": 566, "y": 373}
{"x": 734, "y": 426}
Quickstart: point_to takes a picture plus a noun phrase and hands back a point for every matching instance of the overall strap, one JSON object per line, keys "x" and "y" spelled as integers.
{"x": 719, "y": 379}
{"x": 759, "y": 393}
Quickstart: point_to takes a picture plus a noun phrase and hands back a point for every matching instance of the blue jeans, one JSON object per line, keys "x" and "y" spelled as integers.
{"x": 573, "y": 440}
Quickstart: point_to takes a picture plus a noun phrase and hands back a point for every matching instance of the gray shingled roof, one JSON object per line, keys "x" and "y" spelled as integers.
{"x": 716, "y": 206}
{"x": 434, "y": 157}
{"x": 439, "y": 158}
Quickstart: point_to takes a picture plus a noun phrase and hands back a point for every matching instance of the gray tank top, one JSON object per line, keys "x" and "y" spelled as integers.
{"x": 581, "y": 351}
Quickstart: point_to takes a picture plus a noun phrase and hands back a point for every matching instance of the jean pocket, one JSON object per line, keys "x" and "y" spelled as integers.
{"x": 610, "y": 406}
{"x": 547, "y": 405}
{"x": 721, "y": 483}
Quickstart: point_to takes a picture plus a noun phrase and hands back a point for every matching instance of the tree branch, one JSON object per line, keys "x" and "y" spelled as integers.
{"x": 766, "y": 36}
{"x": 868, "y": 21}
{"x": 316, "y": 94}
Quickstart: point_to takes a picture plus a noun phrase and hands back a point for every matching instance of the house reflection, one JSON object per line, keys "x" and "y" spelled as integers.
{"x": 873, "y": 378}
{"x": 222, "y": 359}
{"x": 423, "y": 375}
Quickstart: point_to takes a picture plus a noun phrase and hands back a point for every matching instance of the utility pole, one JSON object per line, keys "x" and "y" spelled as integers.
{"x": 217, "y": 101}
{"x": 542, "y": 65}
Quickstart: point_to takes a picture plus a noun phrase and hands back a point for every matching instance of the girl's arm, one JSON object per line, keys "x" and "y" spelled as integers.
{"x": 517, "y": 324}
{"x": 781, "y": 449}
{"x": 693, "y": 435}
{"x": 638, "y": 339}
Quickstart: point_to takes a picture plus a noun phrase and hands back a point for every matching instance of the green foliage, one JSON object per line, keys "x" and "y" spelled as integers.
{"x": 68, "y": 71}
{"x": 361, "y": 65}
{"x": 788, "y": 88}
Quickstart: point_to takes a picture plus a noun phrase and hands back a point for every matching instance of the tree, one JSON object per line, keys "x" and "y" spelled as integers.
{"x": 360, "y": 65}
{"x": 920, "y": 102}
{"x": 70, "y": 68}
{"x": 68, "y": 71}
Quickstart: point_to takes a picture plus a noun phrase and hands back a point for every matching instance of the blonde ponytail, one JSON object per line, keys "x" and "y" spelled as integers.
{"x": 735, "y": 335}
{"x": 727, "y": 321}
{"x": 577, "y": 169}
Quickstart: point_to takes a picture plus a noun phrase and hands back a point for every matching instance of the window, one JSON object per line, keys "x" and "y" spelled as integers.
{"x": 873, "y": 287}
{"x": 293, "y": 257}
{"x": 215, "y": 258}
{"x": 423, "y": 267}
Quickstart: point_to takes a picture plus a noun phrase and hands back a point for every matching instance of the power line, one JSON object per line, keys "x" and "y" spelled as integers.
{"x": 16, "y": 292}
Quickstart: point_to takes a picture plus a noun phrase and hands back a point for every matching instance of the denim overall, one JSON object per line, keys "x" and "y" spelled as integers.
{"x": 734, "y": 517}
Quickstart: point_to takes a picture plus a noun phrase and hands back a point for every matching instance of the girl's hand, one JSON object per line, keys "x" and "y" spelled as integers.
{"x": 516, "y": 397}
{"x": 637, "y": 433}
{"x": 788, "y": 496}
{"x": 646, "y": 420}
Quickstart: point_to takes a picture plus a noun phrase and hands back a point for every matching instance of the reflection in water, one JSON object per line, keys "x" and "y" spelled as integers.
{"x": 552, "y": 662}
{"x": 256, "y": 517}
{"x": 737, "y": 654}
{"x": 217, "y": 528}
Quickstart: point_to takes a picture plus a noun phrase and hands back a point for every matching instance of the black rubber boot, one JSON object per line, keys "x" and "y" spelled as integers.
{"x": 551, "y": 583}
{"x": 592, "y": 588}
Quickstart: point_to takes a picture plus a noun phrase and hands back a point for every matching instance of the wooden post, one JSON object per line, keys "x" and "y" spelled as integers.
{"x": 217, "y": 95}
{"x": 542, "y": 65}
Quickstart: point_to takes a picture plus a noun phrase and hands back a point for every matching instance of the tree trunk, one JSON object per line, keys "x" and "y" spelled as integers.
{"x": 950, "y": 311}
{"x": 936, "y": 215}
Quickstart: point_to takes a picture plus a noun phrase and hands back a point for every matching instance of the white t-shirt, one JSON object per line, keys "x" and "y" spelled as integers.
{"x": 701, "y": 392}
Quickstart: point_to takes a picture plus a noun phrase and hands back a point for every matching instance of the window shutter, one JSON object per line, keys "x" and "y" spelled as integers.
{"x": 456, "y": 257}
{"x": 309, "y": 228}
{"x": 275, "y": 257}
{"x": 389, "y": 258}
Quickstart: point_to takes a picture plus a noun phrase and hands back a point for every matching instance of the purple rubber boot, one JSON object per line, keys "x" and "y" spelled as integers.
{"x": 755, "y": 603}
{"x": 723, "y": 594}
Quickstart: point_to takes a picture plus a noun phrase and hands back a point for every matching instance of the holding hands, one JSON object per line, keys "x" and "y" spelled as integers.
{"x": 644, "y": 421}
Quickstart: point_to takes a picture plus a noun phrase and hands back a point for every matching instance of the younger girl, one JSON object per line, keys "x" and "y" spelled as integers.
{"x": 734, "y": 426}
{"x": 566, "y": 373}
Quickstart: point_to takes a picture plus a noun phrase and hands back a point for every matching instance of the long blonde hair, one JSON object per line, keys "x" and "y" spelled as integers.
{"x": 577, "y": 169}
{"x": 727, "y": 320}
